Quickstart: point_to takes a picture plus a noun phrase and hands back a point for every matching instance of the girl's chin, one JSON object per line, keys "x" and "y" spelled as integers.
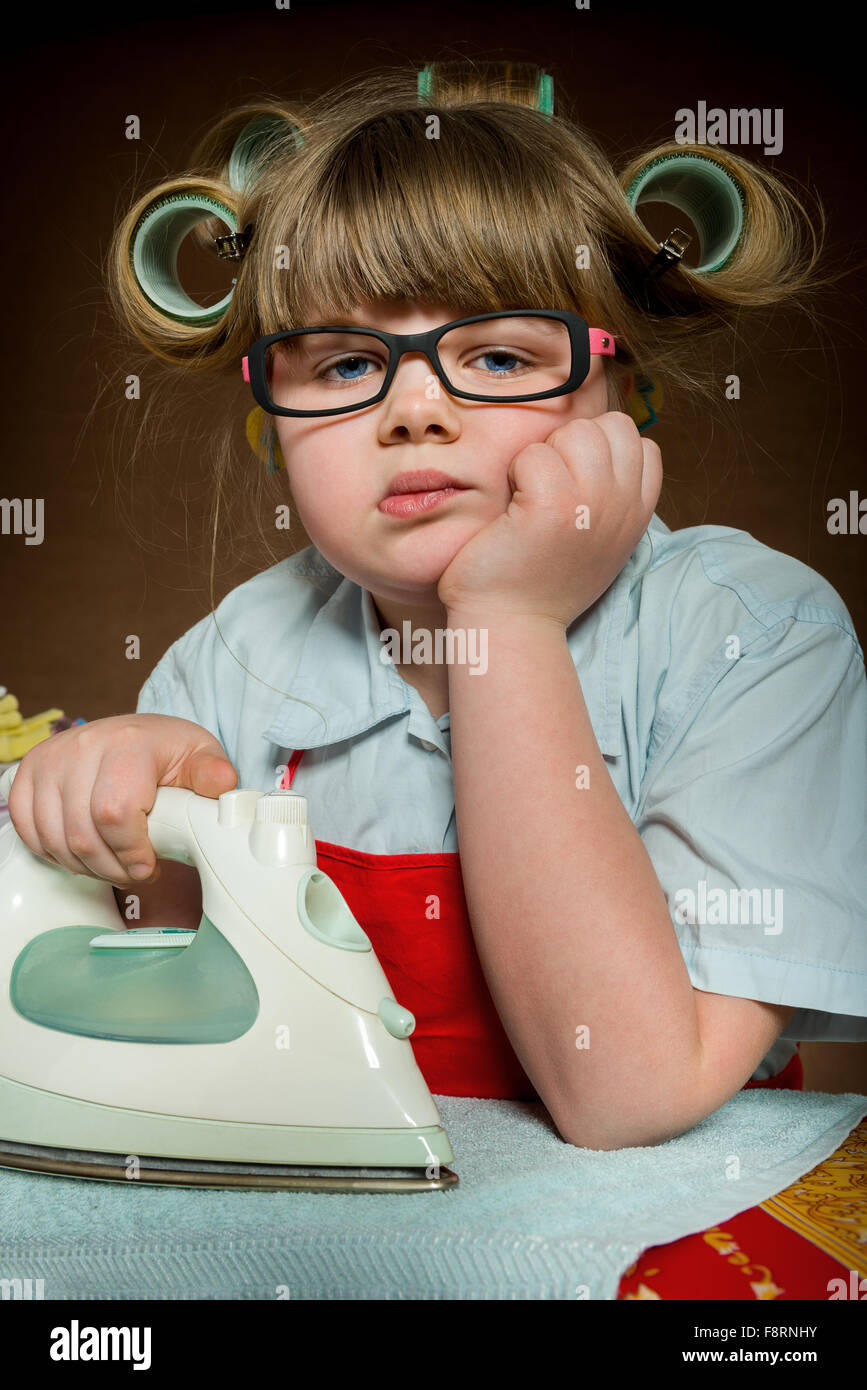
{"x": 411, "y": 557}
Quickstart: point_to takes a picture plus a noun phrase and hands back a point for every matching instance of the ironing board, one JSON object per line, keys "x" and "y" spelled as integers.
{"x": 787, "y": 1248}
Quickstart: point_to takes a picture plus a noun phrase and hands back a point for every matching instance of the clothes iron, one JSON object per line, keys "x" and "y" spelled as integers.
{"x": 263, "y": 1050}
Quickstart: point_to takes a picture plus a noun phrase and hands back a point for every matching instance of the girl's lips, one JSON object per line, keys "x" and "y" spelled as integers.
{"x": 413, "y": 503}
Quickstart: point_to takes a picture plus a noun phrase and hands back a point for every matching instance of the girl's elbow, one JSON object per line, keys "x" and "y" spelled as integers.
{"x": 628, "y": 1137}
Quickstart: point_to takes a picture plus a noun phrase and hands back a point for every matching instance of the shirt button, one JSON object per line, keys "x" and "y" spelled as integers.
{"x": 430, "y": 747}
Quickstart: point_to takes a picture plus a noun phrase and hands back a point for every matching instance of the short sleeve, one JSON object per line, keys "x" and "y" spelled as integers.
{"x": 163, "y": 694}
{"x": 184, "y": 682}
{"x": 754, "y": 814}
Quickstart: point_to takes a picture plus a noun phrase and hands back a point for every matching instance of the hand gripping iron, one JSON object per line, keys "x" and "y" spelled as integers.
{"x": 263, "y": 1050}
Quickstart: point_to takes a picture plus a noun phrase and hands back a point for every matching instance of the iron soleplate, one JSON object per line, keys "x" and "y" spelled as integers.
{"x": 181, "y": 1172}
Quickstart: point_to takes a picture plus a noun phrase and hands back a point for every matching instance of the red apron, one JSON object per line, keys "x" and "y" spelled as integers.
{"x": 413, "y": 909}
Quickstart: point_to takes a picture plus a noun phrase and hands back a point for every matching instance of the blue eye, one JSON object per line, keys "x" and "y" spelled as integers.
{"x": 507, "y": 364}
{"x": 343, "y": 363}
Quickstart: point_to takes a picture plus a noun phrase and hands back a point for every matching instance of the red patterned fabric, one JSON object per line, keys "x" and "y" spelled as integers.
{"x": 751, "y": 1257}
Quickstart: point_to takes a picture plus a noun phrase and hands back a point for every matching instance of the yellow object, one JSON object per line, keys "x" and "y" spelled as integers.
{"x": 825, "y": 1205}
{"x": 26, "y": 733}
{"x": 268, "y": 450}
{"x": 645, "y": 403}
{"x": 9, "y": 713}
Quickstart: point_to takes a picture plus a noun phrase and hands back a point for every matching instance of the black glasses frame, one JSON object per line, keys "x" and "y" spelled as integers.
{"x": 400, "y": 343}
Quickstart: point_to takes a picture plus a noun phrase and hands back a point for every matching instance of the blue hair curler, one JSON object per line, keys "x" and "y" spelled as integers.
{"x": 709, "y": 195}
{"x": 153, "y": 253}
{"x": 160, "y": 230}
{"x": 715, "y": 202}
{"x": 257, "y": 142}
{"x": 544, "y": 90}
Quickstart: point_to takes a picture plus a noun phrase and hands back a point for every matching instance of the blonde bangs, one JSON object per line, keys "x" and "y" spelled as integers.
{"x": 471, "y": 220}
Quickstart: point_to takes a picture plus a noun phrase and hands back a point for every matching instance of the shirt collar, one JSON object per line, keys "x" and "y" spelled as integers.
{"x": 341, "y": 672}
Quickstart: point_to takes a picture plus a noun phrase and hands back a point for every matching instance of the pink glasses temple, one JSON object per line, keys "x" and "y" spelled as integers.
{"x": 601, "y": 343}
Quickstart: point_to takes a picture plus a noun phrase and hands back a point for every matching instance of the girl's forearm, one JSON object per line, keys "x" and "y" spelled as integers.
{"x": 569, "y": 919}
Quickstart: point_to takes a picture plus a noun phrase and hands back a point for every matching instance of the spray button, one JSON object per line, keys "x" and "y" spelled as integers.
{"x": 398, "y": 1020}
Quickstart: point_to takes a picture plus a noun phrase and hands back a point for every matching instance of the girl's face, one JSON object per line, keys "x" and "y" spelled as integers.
{"x": 341, "y": 467}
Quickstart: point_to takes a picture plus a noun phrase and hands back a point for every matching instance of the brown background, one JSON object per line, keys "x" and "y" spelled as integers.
{"x": 69, "y": 86}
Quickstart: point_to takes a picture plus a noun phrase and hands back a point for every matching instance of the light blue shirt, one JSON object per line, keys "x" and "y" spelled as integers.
{"x": 726, "y": 688}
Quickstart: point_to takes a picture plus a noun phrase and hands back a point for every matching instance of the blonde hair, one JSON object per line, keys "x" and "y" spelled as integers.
{"x": 485, "y": 217}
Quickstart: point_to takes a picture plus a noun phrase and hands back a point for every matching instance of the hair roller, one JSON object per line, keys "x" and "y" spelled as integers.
{"x": 516, "y": 77}
{"x": 260, "y": 139}
{"x": 240, "y": 146}
{"x": 155, "y": 241}
{"x": 707, "y": 193}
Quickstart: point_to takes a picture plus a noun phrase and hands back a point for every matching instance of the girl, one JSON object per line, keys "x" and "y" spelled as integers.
{"x": 595, "y": 789}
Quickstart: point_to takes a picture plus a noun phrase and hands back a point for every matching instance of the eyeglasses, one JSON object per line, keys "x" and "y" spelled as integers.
{"x": 514, "y": 355}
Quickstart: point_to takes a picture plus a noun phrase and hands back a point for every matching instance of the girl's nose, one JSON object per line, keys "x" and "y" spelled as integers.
{"x": 415, "y": 377}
